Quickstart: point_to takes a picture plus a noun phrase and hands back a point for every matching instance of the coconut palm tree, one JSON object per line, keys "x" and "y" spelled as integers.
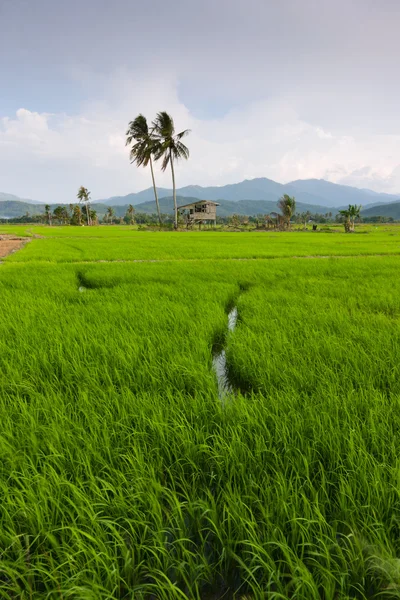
{"x": 350, "y": 215}
{"x": 142, "y": 152}
{"x": 83, "y": 195}
{"x": 47, "y": 212}
{"x": 287, "y": 206}
{"x": 110, "y": 214}
{"x": 130, "y": 214}
{"x": 169, "y": 148}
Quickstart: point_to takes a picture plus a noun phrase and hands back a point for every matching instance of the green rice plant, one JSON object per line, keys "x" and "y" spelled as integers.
{"x": 87, "y": 244}
{"x": 123, "y": 475}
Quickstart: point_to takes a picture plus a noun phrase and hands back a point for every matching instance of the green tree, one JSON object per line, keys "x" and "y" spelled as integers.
{"x": 143, "y": 150}
{"x": 58, "y": 214}
{"x": 77, "y": 215}
{"x": 349, "y": 215}
{"x": 235, "y": 221}
{"x": 305, "y": 217}
{"x": 287, "y": 206}
{"x": 65, "y": 215}
{"x": 130, "y": 215}
{"x": 110, "y": 214}
{"x": 83, "y": 195}
{"x": 169, "y": 148}
{"x": 93, "y": 217}
{"x": 47, "y": 212}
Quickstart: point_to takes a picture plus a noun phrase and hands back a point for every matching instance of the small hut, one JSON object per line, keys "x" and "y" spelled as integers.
{"x": 199, "y": 212}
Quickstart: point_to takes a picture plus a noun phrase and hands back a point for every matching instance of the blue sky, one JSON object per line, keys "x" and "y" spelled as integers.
{"x": 286, "y": 90}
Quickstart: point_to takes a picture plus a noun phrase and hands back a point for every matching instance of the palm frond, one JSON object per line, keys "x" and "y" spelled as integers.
{"x": 166, "y": 161}
{"x": 181, "y": 151}
{"x": 163, "y": 125}
{"x": 182, "y": 134}
{"x": 137, "y": 129}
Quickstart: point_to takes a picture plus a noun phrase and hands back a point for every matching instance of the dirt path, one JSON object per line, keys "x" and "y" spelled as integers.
{"x": 11, "y": 243}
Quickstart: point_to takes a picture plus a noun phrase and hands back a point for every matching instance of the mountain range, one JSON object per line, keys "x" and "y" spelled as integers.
{"x": 249, "y": 197}
{"x": 309, "y": 191}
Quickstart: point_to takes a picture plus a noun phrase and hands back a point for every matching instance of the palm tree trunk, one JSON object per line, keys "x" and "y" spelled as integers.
{"x": 174, "y": 191}
{"x": 155, "y": 191}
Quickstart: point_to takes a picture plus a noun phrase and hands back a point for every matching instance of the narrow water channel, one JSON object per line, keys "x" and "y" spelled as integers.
{"x": 219, "y": 360}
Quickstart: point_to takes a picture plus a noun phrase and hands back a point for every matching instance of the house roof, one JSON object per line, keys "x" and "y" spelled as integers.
{"x": 199, "y": 202}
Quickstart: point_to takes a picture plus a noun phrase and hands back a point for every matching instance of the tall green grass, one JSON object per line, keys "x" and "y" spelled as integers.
{"x": 77, "y": 244}
{"x": 124, "y": 476}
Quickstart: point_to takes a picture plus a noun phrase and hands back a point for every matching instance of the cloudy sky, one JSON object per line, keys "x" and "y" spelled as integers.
{"x": 284, "y": 89}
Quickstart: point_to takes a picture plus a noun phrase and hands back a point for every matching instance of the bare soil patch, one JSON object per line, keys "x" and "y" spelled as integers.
{"x": 11, "y": 243}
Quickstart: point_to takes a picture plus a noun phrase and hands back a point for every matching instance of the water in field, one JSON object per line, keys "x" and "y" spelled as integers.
{"x": 219, "y": 360}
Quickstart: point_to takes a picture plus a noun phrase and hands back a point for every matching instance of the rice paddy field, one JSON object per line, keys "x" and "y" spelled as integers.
{"x": 125, "y": 474}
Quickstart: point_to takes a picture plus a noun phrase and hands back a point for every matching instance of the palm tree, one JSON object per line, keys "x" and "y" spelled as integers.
{"x": 83, "y": 195}
{"x": 350, "y": 215}
{"x": 93, "y": 217}
{"x": 47, "y": 212}
{"x": 169, "y": 148}
{"x": 110, "y": 214}
{"x": 65, "y": 215}
{"x": 130, "y": 213}
{"x": 287, "y": 205}
{"x": 141, "y": 153}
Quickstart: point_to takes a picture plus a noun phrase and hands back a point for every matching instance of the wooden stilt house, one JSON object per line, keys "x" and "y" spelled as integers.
{"x": 200, "y": 212}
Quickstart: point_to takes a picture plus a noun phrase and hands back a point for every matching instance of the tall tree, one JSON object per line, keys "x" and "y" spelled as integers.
{"x": 169, "y": 148}
{"x": 58, "y": 214}
{"x": 110, "y": 214}
{"x": 93, "y": 217}
{"x": 47, "y": 212}
{"x": 287, "y": 206}
{"x": 130, "y": 214}
{"x": 77, "y": 215}
{"x": 83, "y": 195}
{"x": 143, "y": 150}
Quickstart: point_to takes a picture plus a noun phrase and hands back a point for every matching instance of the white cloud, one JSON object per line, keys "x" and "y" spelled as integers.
{"x": 48, "y": 156}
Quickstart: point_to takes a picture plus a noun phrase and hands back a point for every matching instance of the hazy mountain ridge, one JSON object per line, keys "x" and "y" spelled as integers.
{"x": 309, "y": 191}
{"x": 316, "y": 195}
{"x": 391, "y": 209}
{"x": 227, "y": 208}
{"x": 5, "y": 197}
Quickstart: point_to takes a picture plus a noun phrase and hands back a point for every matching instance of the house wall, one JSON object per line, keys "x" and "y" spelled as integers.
{"x": 204, "y": 215}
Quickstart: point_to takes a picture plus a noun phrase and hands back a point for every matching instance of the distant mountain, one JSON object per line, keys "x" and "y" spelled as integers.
{"x": 12, "y": 198}
{"x": 227, "y": 208}
{"x": 14, "y": 208}
{"x": 18, "y": 208}
{"x": 316, "y": 195}
{"x": 338, "y": 195}
{"x": 391, "y": 209}
{"x": 317, "y": 192}
{"x": 143, "y": 196}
